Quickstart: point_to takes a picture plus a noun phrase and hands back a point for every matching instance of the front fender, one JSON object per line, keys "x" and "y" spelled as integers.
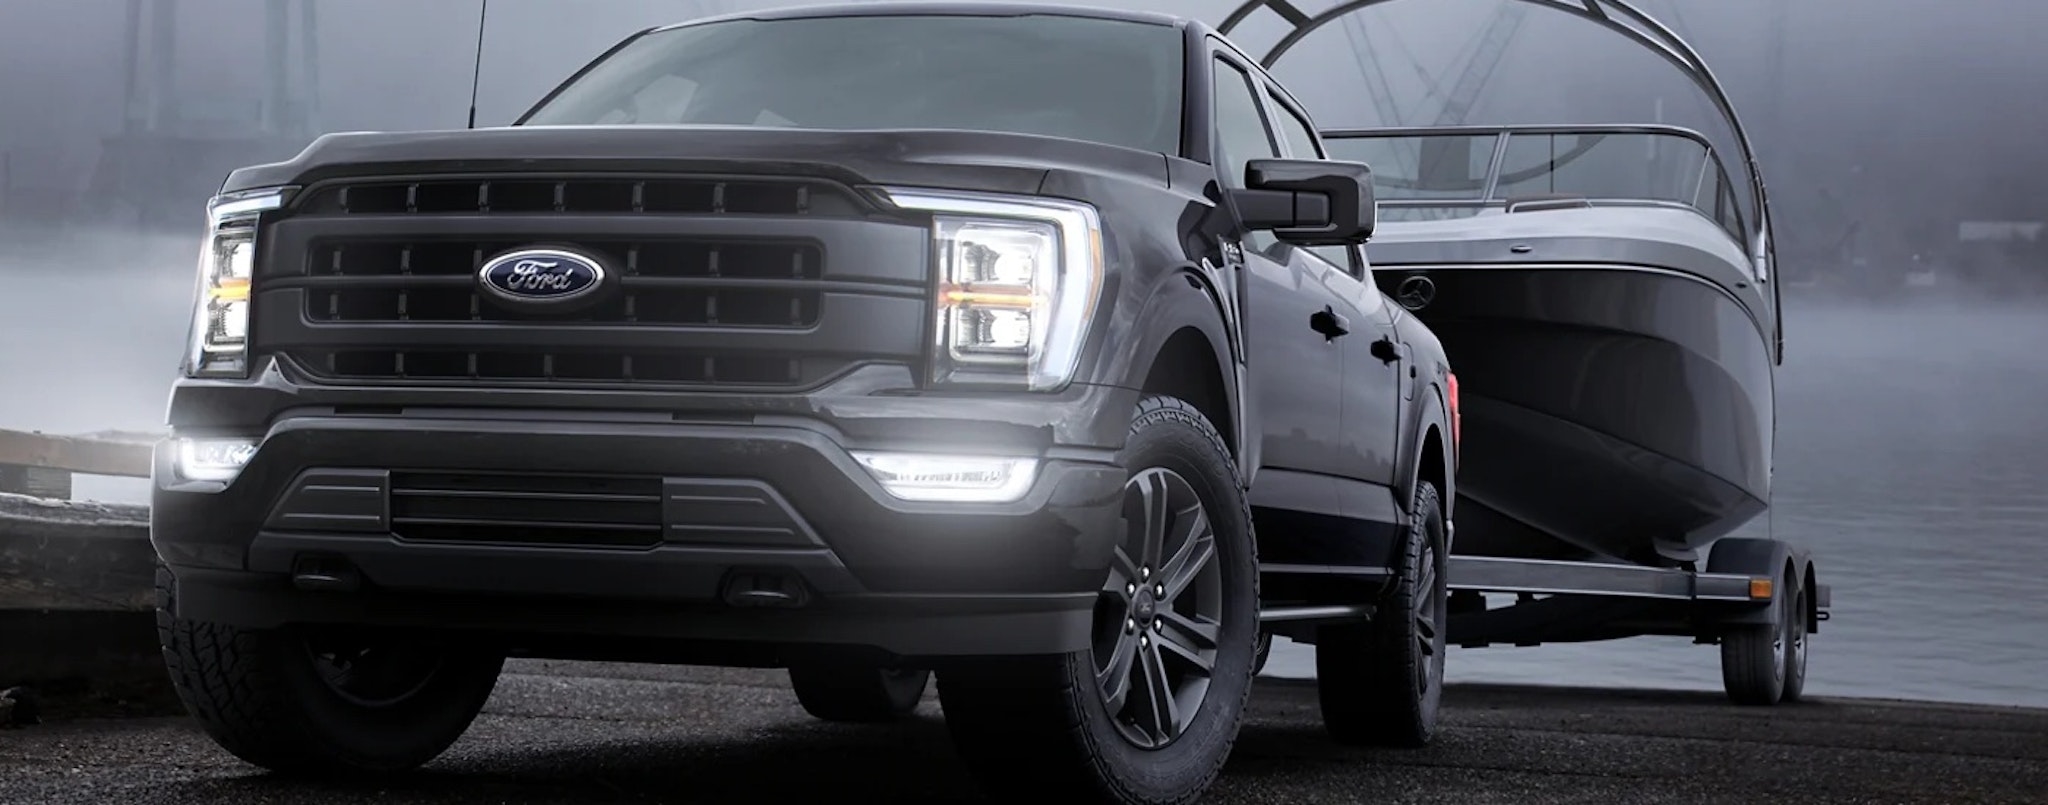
{"x": 1183, "y": 299}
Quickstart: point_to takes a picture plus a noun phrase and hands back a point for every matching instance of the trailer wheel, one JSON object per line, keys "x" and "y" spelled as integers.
{"x": 1754, "y": 659}
{"x": 857, "y": 693}
{"x": 1381, "y": 682}
{"x": 1795, "y": 640}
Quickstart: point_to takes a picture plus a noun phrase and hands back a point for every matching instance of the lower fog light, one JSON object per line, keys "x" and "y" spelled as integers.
{"x": 214, "y": 459}
{"x": 951, "y": 478}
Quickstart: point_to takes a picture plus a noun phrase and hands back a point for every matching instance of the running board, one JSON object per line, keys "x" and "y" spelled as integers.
{"x": 1324, "y": 613}
{"x": 1554, "y": 577}
{"x": 1349, "y": 572}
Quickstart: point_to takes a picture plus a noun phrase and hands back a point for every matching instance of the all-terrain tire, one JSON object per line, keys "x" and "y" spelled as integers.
{"x": 1753, "y": 656}
{"x": 1381, "y": 682}
{"x": 1796, "y": 642}
{"x": 1040, "y": 729}
{"x": 259, "y": 695}
{"x": 857, "y": 693}
{"x": 1263, "y": 652}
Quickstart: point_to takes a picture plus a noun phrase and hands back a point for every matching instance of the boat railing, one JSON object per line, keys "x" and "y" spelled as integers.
{"x": 1433, "y": 173}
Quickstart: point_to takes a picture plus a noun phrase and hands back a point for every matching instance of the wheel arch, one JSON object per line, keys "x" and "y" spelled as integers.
{"x": 1183, "y": 351}
{"x": 1754, "y": 556}
{"x": 1431, "y": 457}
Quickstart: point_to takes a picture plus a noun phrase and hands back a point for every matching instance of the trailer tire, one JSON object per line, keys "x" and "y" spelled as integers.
{"x": 1796, "y": 639}
{"x": 1754, "y": 660}
{"x": 857, "y": 693}
{"x": 1381, "y": 682}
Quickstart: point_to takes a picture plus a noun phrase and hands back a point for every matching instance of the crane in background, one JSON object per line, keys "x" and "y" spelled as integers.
{"x": 165, "y": 155}
{"x": 1480, "y": 58}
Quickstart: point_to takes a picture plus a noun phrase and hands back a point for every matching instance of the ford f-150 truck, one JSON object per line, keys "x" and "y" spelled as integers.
{"x": 1031, "y": 349}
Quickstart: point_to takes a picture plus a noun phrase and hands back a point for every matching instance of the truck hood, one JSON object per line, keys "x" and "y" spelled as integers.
{"x": 957, "y": 160}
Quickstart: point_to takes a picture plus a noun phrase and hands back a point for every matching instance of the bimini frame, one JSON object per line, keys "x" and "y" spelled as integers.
{"x": 1638, "y": 27}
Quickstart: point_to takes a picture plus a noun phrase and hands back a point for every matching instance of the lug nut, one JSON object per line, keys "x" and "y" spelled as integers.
{"x": 1143, "y": 641}
{"x": 1159, "y": 590}
{"x": 1144, "y": 573}
{"x": 1130, "y": 626}
{"x": 1158, "y": 625}
{"x": 1130, "y": 589}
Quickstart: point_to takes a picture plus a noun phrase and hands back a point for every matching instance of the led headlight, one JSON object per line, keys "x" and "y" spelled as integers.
{"x": 1019, "y": 278}
{"x": 227, "y": 262}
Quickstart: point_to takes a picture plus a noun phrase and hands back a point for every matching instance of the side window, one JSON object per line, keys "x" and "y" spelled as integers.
{"x": 1301, "y": 144}
{"x": 1241, "y": 135}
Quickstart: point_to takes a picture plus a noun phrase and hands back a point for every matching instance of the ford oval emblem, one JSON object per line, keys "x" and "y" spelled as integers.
{"x": 541, "y": 276}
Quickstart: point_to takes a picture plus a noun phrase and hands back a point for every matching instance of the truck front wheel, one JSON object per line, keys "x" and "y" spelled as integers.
{"x": 857, "y": 693}
{"x": 1148, "y": 714}
{"x": 311, "y": 704}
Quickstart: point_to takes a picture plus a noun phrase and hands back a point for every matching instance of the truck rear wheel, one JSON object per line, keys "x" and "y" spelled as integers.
{"x": 1150, "y": 713}
{"x": 857, "y": 692}
{"x": 1381, "y": 682}
{"x": 313, "y": 704}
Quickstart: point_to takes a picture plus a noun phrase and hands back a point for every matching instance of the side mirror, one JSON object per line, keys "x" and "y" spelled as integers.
{"x": 1309, "y": 202}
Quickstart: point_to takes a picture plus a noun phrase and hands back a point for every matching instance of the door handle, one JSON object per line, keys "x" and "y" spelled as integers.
{"x": 1329, "y": 322}
{"x": 1387, "y": 351}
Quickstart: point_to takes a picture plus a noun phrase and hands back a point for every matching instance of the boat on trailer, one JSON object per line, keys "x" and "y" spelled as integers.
{"x": 1613, "y": 336}
{"x": 1606, "y": 296}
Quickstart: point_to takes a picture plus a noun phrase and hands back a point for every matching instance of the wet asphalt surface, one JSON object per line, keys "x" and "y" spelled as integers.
{"x": 578, "y": 732}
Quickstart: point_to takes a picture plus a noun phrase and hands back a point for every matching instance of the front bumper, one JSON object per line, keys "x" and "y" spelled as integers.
{"x": 768, "y": 533}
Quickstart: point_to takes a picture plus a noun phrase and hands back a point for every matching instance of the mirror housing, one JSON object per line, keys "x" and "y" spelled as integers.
{"x": 1309, "y": 202}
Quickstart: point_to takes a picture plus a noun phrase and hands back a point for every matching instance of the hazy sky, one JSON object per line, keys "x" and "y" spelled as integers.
{"x": 1927, "y": 96}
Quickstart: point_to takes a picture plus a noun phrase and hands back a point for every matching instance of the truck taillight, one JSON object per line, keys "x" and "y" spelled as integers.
{"x": 1457, "y": 422}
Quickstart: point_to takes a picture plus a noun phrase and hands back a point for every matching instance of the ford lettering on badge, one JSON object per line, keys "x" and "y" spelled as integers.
{"x": 541, "y": 276}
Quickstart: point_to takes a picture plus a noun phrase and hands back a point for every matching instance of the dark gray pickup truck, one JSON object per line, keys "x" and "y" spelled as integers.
{"x": 1033, "y": 349}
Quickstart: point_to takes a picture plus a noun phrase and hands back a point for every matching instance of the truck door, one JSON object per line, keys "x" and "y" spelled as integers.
{"x": 1296, "y": 364}
{"x": 1375, "y": 362}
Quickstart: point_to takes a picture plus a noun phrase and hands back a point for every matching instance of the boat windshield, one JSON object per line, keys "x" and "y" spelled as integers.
{"x": 1109, "y": 81}
{"x": 1432, "y": 174}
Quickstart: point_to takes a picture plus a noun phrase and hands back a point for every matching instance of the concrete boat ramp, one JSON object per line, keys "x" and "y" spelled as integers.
{"x": 561, "y": 732}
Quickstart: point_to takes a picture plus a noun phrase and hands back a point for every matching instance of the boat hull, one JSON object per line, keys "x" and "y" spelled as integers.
{"x": 1608, "y": 412}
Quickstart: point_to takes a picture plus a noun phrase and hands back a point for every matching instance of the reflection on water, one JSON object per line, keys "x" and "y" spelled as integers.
{"x": 1912, "y": 444}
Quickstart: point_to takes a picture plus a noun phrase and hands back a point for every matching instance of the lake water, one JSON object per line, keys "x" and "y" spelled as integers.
{"x": 1912, "y": 439}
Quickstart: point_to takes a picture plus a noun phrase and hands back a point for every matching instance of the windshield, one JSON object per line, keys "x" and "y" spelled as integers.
{"x": 1107, "y": 81}
{"x": 1449, "y": 175}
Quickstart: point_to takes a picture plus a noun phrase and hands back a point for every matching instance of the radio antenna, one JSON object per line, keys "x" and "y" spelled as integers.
{"x": 477, "y": 73}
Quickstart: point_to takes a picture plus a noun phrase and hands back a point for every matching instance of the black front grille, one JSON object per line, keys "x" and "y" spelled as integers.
{"x": 759, "y": 282}
{"x": 596, "y": 511}
{"x": 752, "y": 195}
{"x": 595, "y": 367}
{"x": 729, "y": 284}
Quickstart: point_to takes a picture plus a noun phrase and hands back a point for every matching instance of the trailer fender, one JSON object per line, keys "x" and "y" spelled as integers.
{"x": 1764, "y": 558}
